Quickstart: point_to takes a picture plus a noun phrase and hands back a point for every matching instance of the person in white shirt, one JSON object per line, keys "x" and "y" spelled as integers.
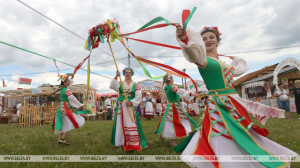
{"x": 19, "y": 105}
{"x": 283, "y": 99}
{"x": 195, "y": 106}
{"x": 108, "y": 107}
{"x": 184, "y": 105}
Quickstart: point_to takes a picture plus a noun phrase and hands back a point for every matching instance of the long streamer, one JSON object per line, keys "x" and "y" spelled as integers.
{"x": 163, "y": 45}
{"x": 54, "y": 61}
{"x": 50, "y": 58}
{"x": 88, "y": 79}
{"x": 176, "y": 72}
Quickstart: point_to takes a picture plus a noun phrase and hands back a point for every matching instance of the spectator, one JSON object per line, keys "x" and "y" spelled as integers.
{"x": 108, "y": 107}
{"x": 283, "y": 99}
{"x": 296, "y": 91}
{"x": 148, "y": 104}
{"x": 196, "y": 107}
{"x": 183, "y": 105}
{"x": 158, "y": 105}
{"x": 19, "y": 105}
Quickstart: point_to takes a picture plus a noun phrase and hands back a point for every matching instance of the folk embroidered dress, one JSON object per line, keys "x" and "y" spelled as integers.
{"x": 175, "y": 121}
{"x": 125, "y": 132}
{"x": 66, "y": 118}
{"x": 149, "y": 110}
{"x": 225, "y": 127}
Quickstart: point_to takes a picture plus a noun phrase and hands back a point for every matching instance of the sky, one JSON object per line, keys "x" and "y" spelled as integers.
{"x": 245, "y": 26}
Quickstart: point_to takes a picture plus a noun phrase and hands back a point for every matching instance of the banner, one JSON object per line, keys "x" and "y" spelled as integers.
{"x": 255, "y": 84}
{"x": 147, "y": 83}
{"x": 36, "y": 90}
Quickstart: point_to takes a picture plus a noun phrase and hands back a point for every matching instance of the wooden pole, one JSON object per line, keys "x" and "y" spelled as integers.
{"x": 123, "y": 89}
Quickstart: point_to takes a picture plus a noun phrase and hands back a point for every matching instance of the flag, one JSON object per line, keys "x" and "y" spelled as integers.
{"x": 4, "y": 83}
{"x": 25, "y": 81}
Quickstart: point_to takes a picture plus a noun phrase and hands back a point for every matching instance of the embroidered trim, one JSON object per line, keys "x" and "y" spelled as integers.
{"x": 68, "y": 92}
{"x": 174, "y": 88}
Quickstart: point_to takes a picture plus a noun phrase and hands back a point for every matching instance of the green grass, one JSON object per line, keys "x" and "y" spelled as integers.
{"x": 94, "y": 139}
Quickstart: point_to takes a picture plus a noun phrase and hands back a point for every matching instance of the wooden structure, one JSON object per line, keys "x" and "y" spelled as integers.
{"x": 36, "y": 115}
{"x": 28, "y": 97}
{"x": 288, "y": 74}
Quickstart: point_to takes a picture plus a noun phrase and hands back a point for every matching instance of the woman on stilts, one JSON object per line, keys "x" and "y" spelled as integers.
{"x": 225, "y": 128}
{"x": 127, "y": 133}
{"x": 66, "y": 118}
{"x": 174, "y": 123}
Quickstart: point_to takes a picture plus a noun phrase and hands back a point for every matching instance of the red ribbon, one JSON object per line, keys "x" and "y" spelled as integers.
{"x": 185, "y": 15}
{"x": 80, "y": 64}
{"x": 154, "y": 43}
{"x": 149, "y": 28}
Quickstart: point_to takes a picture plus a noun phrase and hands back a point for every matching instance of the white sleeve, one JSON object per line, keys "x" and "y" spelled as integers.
{"x": 240, "y": 66}
{"x": 115, "y": 85}
{"x": 153, "y": 101}
{"x": 185, "y": 94}
{"x": 71, "y": 83}
{"x": 194, "y": 51}
{"x": 137, "y": 98}
{"x": 277, "y": 92}
{"x": 72, "y": 99}
{"x": 144, "y": 99}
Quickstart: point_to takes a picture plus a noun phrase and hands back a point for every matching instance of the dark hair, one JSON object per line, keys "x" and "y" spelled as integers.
{"x": 279, "y": 84}
{"x": 215, "y": 33}
{"x": 59, "y": 88}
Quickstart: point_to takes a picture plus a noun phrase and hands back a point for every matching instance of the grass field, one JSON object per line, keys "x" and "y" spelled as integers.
{"x": 94, "y": 139}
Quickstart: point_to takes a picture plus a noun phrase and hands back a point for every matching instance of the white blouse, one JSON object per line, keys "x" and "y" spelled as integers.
{"x": 284, "y": 91}
{"x": 183, "y": 93}
{"x": 115, "y": 85}
{"x": 195, "y": 52}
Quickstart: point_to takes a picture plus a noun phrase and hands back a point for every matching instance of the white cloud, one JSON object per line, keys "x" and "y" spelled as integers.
{"x": 245, "y": 25}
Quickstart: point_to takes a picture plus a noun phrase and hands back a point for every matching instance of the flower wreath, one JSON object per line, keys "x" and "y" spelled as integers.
{"x": 214, "y": 29}
{"x": 127, "y": 69}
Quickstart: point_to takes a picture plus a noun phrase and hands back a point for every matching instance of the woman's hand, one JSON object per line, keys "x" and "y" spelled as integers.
{"x": 83, "y": 107}
{"x": 117, "y": 74}
{"x": 72, "y": 75}
{"x": 179, "y": 32}
{"x": 128, "y": 104}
